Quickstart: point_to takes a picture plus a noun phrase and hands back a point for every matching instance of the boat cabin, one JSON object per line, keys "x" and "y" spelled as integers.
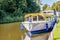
{"x": 37, "y": 23}
{"x": 34, "y": 17}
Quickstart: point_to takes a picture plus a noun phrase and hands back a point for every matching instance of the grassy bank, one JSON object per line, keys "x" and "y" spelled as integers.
{"x": 57, "y": 31}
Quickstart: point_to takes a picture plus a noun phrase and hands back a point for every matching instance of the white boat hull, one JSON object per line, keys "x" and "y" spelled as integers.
{"x": 33, "y": 26}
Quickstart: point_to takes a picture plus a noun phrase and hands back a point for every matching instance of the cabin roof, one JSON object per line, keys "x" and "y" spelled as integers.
{"x": 33, "y": 14}
{"x": 36, "y": 14}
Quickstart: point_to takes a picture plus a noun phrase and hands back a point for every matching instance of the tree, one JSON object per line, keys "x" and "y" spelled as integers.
{"x": 45, "y": 6}
{"x": 32, "y": 7}
{"x": 56, "y": 6}
{"x": 16, "y": 9}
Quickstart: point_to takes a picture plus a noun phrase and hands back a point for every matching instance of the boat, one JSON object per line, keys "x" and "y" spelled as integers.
{"x": 37, "y": 23}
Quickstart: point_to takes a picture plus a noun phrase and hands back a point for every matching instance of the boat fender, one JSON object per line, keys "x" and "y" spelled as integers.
{"x": 46, "y": 26}
{"x": 21, "y": 27}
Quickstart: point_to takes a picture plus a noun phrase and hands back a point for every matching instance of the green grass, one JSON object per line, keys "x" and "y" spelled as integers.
{"x": 57, "y": 31}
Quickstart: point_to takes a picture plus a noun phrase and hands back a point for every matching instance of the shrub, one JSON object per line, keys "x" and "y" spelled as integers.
{"x": 14, "y": 10}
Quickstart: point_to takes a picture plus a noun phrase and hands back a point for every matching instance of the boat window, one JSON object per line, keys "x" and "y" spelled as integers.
{"x": 48, "y": 18}
{"x": 44, "y": 12}
{"x": 40, "y": 18}
{"x": 34, "y": 18}
{"x": 27, "y": 19}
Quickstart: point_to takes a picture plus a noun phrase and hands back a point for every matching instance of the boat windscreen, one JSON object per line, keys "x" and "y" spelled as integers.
{"x": 34, "y": 18}
{"x": 40, "y": 18}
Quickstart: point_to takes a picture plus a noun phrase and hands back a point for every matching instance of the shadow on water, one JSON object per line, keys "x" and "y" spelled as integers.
{"x": 56, "y": 38}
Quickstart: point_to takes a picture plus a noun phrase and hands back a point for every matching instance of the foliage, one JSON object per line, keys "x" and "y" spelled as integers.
{"x": 32, "y": 7}
{"x": 45, "y": 6}
{"x": 56, "y": 6}
{"x": 14, "y": 10}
